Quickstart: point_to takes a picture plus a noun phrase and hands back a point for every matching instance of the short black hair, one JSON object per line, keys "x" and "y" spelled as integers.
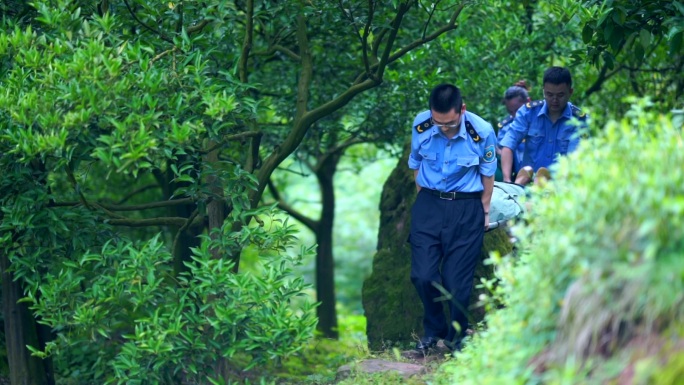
{"x": 557, "y": 75}
{"x": 516, "y": 92}
{"x": 446, "y": 97}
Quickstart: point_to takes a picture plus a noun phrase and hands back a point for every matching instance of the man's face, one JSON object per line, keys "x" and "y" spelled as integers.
{"x": 449, "y": 122}
{"x": 513, "y": 104}
{"x": 557, "y": 96}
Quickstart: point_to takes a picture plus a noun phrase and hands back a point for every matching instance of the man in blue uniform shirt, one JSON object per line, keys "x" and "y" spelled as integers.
{"x": 453, "y": 155}
{"x": 546, "y": 126}
{"x": 515, "y": 97}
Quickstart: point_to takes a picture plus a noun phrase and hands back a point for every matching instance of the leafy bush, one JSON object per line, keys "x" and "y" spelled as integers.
{"x": 121, "y": 317}
{"x": 600, "y": 262}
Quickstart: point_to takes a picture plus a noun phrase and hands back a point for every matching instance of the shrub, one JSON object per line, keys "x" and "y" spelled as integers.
{"x": 120, "y": 316}
{"x": 600, "y": 262}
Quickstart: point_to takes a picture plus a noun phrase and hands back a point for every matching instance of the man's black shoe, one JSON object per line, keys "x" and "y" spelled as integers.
{"x": 426, "y": 343}
{"x": 455, "y": 346}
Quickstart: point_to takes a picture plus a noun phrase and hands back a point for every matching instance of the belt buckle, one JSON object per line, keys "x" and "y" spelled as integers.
{"x": 447, "y": 195}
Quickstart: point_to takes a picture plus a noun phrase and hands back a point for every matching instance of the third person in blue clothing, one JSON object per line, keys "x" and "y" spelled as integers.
{"x": 453, "y": 155}
{"x": 546, "y": 126}
{"x": 515, "y": 97}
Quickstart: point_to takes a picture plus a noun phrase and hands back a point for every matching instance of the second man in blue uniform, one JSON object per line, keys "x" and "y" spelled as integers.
{"x": 546, "y": 126}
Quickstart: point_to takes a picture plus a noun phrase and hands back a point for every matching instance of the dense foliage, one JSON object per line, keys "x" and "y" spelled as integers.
{"x": 137, "y": 139}
{"x": 599, "y": 268}
{"x": 91, "y": 118}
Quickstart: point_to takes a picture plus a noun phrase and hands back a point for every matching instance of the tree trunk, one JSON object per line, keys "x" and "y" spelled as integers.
{"x": 215, "y": 208}
{"x": 325, "y": 262}
{"x": 186, "y": 239}
{"x": 20, "y": 330}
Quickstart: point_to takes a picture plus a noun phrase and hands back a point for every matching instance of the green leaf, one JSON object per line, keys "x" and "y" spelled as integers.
{"x": 679, "y": 6}
{"x": 645, "y": 38}
{"x": 587, "y": 33}
{"x": 676, "y": 44}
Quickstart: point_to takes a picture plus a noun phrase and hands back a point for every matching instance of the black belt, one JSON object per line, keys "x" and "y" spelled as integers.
{"x": 452, "y": 195}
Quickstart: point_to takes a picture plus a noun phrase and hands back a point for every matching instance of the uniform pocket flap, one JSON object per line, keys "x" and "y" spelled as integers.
{"x": 467, "y": 161}
{"x": 428, "y": 155}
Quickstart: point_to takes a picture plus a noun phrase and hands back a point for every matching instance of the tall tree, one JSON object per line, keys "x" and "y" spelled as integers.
{"x": 322, "y": 150}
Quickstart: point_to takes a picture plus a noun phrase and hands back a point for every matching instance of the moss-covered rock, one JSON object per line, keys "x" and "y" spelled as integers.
{"x": 393, "y": 309}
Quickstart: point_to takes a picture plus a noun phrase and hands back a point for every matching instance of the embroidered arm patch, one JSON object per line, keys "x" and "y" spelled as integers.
{"x": 489, "y": 154}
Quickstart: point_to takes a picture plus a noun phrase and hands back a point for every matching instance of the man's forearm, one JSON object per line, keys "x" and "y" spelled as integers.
{"x": 506, "y": 163}
{"x": 415, "y": 178}
{"x": 488, "y": 184}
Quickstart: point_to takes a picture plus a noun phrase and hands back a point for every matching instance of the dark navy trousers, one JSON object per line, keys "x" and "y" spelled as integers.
{"x": 446, "y": 241}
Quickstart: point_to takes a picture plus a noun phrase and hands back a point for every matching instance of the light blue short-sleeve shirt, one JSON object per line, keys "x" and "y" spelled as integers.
{"x": 455, "y": 164}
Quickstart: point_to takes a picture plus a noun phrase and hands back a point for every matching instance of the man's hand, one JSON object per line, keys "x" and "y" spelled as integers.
{"x": 488, "y": 184}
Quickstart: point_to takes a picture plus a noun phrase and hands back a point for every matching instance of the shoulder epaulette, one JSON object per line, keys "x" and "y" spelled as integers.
{"x": 506, "y": 121}
{"x": 534, "y": 103}
{"x": 577, "y": 112}
{"x": 471, "y": 131}
{"x": 424, "y": 125}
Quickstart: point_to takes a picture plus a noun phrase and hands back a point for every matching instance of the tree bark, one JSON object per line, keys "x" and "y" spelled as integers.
{"x": 20, "y": 330}
{"x": 325, "y": 263}
{"x": 215, "y": 208}
{"x": 185, "y": 239}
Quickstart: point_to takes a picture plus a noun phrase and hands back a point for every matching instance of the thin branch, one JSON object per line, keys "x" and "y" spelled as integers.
{"x": 161, "y": 221}
{"x": 136, "y": 192}
{"x": 306, "y": 73}
{"x": 108, "y": 212}
{"x": 181, "y": 17}
{"x": 366, "y": 33}
{"x": 298, "y": 173}
{"x": 308, "y": 222}
{"x": 146, "y": 206}
{"x": 253, "y": 159}
{"x": 430, "y": 15}
{"x": 184, "y": 227}
{"x": 603, "y": 76}
{"x": 161, "y": 55}
{"x": 197, "y": 27}
{"x": 157, "y": 32}
{"x": 377, "y": 41}
{"x": 276, "y": 46}
{"x": 341, "y": 148}
{"x": 247, "y": 44}
{"x": 451, "y": 25}
{"x": 228, "y": 138}
{"x": 335, "y": 151}
{"x": 287, "y": 52}
{"x": 74, "y": 184}
{"x": 658, "y": 70}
